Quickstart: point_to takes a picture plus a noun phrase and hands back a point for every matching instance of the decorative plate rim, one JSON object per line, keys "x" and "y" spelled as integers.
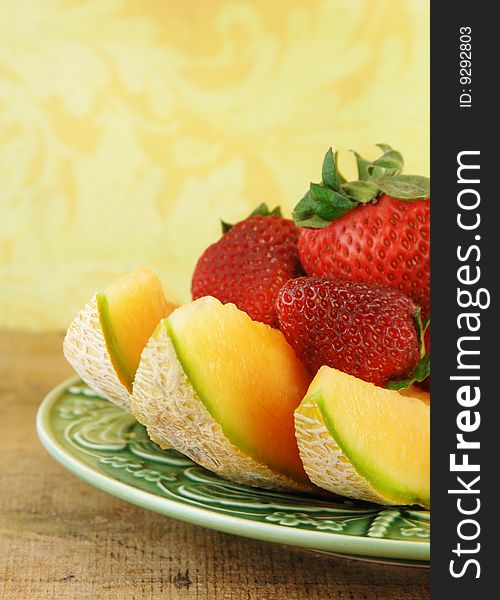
{"x": 322, "y": 541}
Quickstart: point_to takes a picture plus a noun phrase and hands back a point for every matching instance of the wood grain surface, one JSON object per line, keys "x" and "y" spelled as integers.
{"x": 61, "y": 538}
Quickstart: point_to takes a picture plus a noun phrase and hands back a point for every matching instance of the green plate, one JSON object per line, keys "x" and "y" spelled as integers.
{"x": 109, "y": 449}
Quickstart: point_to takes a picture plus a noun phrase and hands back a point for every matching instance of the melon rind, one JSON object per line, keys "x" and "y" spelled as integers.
{"x": 325, "y": 463}
{"x": 86, "y": 351}
{"x": 164, "y": 400}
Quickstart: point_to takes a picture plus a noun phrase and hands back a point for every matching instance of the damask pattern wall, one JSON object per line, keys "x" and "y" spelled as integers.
{"x": 128, "y": 127}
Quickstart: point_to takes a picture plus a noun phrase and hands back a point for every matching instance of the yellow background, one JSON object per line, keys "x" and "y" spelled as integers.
{"x": 127, "y": 127}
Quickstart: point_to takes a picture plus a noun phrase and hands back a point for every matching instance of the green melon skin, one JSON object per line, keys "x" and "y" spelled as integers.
{"x": 246, "y": 375}
{"x": 365, "y": 442}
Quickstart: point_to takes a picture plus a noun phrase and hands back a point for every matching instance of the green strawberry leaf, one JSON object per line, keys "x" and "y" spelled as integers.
{"x": 417, "y": 315}
{"x": 360, "y": 191}
{"x": 422, "y": 326}
{"x": 423, "y": 368}
{"x": 311, "y": 221}
{"x": 330, "y": 174}
{"x": 392, "y": 160}
{"x": 384, "y": 147}
{"x": 419, "y": 373}
{"x": 225, "y": 226}
{"x": 405, "y": 187}
{"x": 261, "y": 210}
{"x": 304, "y": 214}
{"x": 328, "y": 204}
{"x": 390, "y": 163}
{"x": 366, "y": 170}
{"x": 335, "y": 196}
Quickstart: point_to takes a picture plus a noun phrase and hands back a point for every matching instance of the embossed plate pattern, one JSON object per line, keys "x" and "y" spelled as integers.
{"x": 109, "y": 449}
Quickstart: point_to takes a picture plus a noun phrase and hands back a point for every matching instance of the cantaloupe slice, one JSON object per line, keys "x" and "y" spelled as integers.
{"x": 365, "y": 442}
{"x": 222, "y": 389}
{"x": 105, "y": 340}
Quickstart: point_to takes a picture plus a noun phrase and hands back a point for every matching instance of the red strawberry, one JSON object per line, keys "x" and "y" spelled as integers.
{"x": 367, "y": 331}
{"x": 385, "y": 243}
{"x": 374, "y": 230}
{"x": 250, "y": 263}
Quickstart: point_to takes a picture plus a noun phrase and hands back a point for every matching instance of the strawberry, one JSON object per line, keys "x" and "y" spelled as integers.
{"x": 250, "y": 263}
{"x": 371, "y": 332}
{"x": 374, "y": 230}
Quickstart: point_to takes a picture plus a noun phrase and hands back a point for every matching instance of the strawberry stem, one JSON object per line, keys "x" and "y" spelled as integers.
{"x": 334, "y": 196}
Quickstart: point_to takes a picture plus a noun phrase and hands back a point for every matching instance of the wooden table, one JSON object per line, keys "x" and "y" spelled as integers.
{"x": 61, "y": 538}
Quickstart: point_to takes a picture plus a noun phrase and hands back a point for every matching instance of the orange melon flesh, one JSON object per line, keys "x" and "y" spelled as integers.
{"x": 246, "y": 375}
{"x": 385, "y": 434}
{"x": 129, "y": 311}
